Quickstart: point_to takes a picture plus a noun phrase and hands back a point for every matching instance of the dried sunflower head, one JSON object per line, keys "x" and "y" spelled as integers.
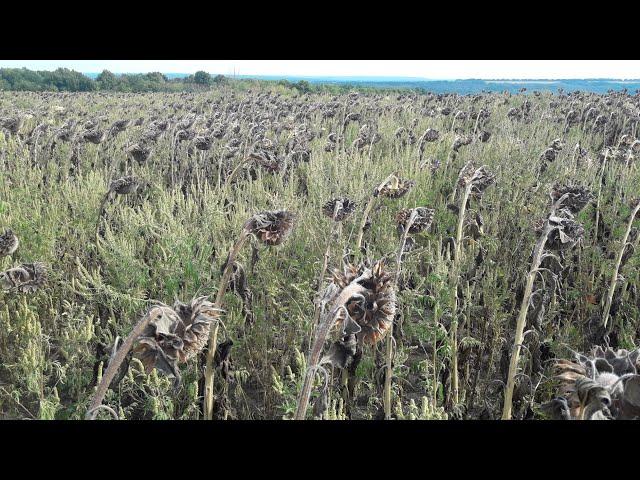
{"x": 124, "y": 185}
{"x": 95, "y": 136}
{"x": 174, "y": 335}
{"x": 421, "y": 222}
{"x": 203, "y": 142}
{"x": 565, "y": 233}
{"x": 461, "y": 141}
{"x": 599, "y": 386}
{"x": 8, "y": 243}
{"x": 430, "y": 135}
{"x": 480, "y": 178}
{"x": 394, "y": 187}
{"x": 369, "y": 299}
{"x": 484, "y": 136}
{"x": 273, "y": 227}
{"x": 557, "y": 144}
{"x": 185, "y": 135}
{"x": 342, "y": 353}
{"x": 26, "y": 278}
{"x": 578, "y": 197}
{"x": 140, "y": 153}
{"x": 339, "y": 209}
{"x": 267, "y": 160}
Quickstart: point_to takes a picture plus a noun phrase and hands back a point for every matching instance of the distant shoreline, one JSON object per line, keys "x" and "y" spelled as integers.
{"x": 460, "y": 86}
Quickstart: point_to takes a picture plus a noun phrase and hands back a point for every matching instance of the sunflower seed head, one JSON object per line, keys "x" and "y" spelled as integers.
{"x": 339, "y": 209}
{"x": 421, "y": 222}
{"x": 577, "y": 197}
{"x": 272, "y": 227}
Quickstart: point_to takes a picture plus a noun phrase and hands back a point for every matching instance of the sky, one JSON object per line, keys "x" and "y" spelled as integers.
{"x": 427, "y": 69}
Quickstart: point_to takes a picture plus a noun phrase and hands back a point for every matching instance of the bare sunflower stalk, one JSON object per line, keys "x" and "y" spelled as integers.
{"x": 121, "y": 186}
{"x": 391, "y": 187}
{"x": 559, "y": 231}
{"x": 473, "y": 180}
{"x": 389, "y": 343}
{"x": 604, "y": 164}
{"x": 271, "y": 228}
{"x": 338, "y": 210}
{"x": 614, "y": 276}
{"x": 165, "y": 337}
{"x": 411, "y": 221}
{"x": 327, "y": 319}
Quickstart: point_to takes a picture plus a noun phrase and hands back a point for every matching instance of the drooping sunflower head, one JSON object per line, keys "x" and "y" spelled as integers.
{"x": 272, "y": 227}
{"x": 577, "y": 196}
{"x": 8, "y": 243}
{"x": 26, "y": 278}
{"x": 174, "y": 335}
{"x": 479, "y": 178}
{"x": 394, "y": 187}
{"x": 565, "y": 232}
{"x": 139, "y": 152}
{"x": 597, "y": 386}
{"x": 368, "y": 296}
{"x": 422, "y": 219}
{"x": 339, "y": 209}
{"x": 430, "y": 135}
{"x": 124, "y": 185}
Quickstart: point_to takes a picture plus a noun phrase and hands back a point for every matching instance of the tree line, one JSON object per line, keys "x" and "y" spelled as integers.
{"x": 65, "y": 80}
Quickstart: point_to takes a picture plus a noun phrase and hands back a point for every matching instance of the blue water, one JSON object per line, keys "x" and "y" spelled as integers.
{"x": 455, "y": 86}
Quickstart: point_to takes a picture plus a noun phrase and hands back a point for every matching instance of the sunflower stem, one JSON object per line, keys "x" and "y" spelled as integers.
{"x": 614, "y": 276}
{"x": 389, "y": 341}
{"x": 322, "y": 331}
{"x": 209, "y": 372}
{"x": 114, "y": 365}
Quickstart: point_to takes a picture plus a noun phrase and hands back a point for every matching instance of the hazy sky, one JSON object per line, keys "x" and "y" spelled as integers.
{"x": 431, "y": 69}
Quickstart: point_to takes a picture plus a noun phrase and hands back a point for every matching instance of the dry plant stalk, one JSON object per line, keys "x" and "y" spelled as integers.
{"x": 524, "y": 307}
{"x": 114, "y": 365}
{"x": 327, "y": 320}
{"x": 271, "y": 228}
{"x": 209, "y": 371}
{"x": 392, "y": 187}
{"x": 389, "y": 342}
{"x": 614, "y": 276}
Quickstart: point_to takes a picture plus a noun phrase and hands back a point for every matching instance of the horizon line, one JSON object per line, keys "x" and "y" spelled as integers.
{"x": 428, "y": 79}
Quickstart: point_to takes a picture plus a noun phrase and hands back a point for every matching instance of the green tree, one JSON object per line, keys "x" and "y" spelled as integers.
{"x": 202, "y": 78}
{"x": 107, "y": 80}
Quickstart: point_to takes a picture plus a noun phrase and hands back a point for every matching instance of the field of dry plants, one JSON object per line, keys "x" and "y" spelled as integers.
{"x": 261, "y": 254}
